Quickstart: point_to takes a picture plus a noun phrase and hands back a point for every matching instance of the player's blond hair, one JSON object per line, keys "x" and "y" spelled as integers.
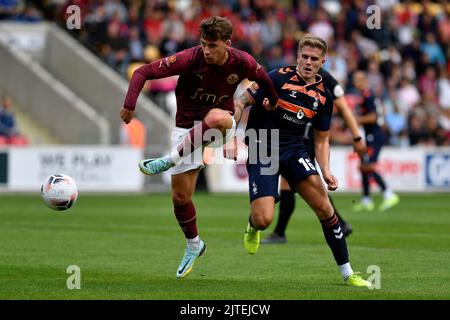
{"x": 216, "y": 28}
{"x": 314, "y": 42}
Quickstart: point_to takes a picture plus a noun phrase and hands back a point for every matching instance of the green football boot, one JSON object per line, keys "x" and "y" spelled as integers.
{"x": 389, "y": 203}
{"x": 251, "y": 239}
{"x": 361, "y": 206}
{"x": 356, "y": 280}
{"x": 190, "y": 255}
{"x": 155, "y": 166}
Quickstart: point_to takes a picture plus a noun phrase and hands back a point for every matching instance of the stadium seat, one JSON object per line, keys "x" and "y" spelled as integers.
{"x": 132, "y": 67}
{"x": 151, "y": 53}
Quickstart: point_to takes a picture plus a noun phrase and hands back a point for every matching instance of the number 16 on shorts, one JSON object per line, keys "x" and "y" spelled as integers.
{"x": 307, "y": 164}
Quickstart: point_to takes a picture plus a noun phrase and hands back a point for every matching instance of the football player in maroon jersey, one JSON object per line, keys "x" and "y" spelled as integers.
{"x": 208, "y": 77}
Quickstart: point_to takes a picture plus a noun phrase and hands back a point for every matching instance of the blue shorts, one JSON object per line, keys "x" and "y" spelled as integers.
{"x": 374, "y": 145}
{"x": 294, "y": 169}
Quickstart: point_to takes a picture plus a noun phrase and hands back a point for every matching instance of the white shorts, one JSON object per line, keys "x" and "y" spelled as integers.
{"x": 194, "y": 160}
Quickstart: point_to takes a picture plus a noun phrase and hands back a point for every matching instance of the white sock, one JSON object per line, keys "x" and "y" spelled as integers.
{"x": 173, "y": 157}
{"x": 387, "y": 193}
{"x": 346, "y": 270}
{"x": 194, "y": 242}
{"x": 366, "y": 200}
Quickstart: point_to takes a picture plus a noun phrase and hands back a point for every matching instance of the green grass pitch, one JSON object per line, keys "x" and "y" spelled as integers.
{"x": 129, "y": 247}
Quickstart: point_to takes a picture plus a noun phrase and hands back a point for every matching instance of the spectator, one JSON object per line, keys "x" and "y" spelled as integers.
{"x": 444, "y": 27}
{"x": 407, "y": 60}
{"x": 427, "y": 23}
{"x": 408, "y": 70}
{"x": 271, "y": 30}
{"x": 153, "y": 26}
{"x": 366, "y": 46}
{"x": 116, "y": 8}
{"x": 276, "y": 58}
{"x": 135, "y": 45}
{"x": 374, "y": 77}
{"x": 244, "y": 8}
{"x": 321, "y": 26}
{"x": 413, "y": 51}
{"x": 436, "y": 134}
{"x": 133, "y": 134}
{"x": 428, "y": 82}
{"x": 407, "y": 97}
{"x": 252, "y": 27}
{"x": 444, "y": 122}
{"x": 117, "y": 45}
{"x": 405, "y": 28}
{"x": 336, "y": 65}
{"x": 433, "y": 50}
{"x": 258, "y": 51}
{"x": 396, "y": 126}
{"x": 173, "y": 28}
{"x": 96, "y": 25}
{"x": 303, "y": 14}
{"x": 289, "y": 42}
{"x": 444, "y": 89}
{"x": 417, "y": 133}
{"x": 7, "y": 119}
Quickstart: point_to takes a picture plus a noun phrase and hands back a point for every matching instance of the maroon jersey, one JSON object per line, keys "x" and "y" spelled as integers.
{"x": 201, "y": 86}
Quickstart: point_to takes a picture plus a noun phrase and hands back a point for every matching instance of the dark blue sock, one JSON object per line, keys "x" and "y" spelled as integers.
{"x": 287, "y": 206}
{"x": 365, "y": 182}
{"x": 336, "y": 212}
{"x": 335, "y": 239}
{"x": 379, "y": 180}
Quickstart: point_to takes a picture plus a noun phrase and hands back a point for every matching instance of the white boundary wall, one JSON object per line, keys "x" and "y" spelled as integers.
{"x": 94, "y": 168}
{"x": 98, "y": 168}
{"x": 412, "y": 169}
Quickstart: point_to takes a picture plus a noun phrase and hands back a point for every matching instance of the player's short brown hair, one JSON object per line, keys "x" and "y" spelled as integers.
{"x": 313, "y": 41}
{"x": 216, "y": 28}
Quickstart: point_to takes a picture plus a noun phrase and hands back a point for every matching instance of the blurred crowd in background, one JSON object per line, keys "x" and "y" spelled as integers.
{"x": 406, "y": 59}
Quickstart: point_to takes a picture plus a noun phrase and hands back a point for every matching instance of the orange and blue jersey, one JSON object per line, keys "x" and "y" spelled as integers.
{"x": 367, "y": 106}
{"x": 301, "y": 108}
{"x": 375, "y": 137}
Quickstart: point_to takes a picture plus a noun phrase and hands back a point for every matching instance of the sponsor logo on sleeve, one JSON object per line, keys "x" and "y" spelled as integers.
{"x": 169, "y": 61}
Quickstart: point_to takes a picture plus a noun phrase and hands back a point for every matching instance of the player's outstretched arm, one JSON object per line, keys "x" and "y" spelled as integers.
{"x": 135, "y": 86}
{"x": 359, "y": 145}
{"x": 166, "y": 67}
{"x": 322, "y": 149}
